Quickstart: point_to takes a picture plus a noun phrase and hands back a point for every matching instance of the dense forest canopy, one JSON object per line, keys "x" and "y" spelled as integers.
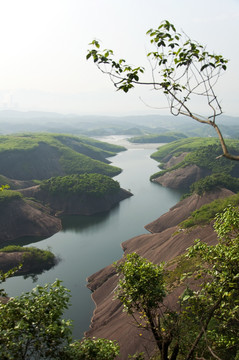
{"x": 85, "y": 184}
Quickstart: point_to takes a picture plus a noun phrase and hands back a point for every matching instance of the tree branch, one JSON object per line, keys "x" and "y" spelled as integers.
{"x": 204, "y": 328}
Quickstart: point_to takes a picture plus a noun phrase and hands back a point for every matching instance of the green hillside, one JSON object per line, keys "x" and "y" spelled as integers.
{"x": 185, "y": 145}
{"x": 7, "y": 196}
{"x": 86, "y": 184}
{"x": 165, "y": 137}
{"x": 200, "y": 151}
{"x": 41, "y": 156}
{"x": 206, "y": 154}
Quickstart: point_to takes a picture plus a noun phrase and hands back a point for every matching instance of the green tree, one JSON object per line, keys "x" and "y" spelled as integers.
{"x": 215, "y": 307}
{"x": 206, "y": 323}
{"x": 142, "y": 290}
{"x": 5, "y": 275}
{"x": 32, "y": 327}
{"x": 181, "y": 68}
{"x": 92, "y": 349}
{"x": 2, "y": 187}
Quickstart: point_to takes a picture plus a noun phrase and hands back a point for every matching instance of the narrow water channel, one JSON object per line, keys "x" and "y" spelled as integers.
{"x": 87, "y": 244}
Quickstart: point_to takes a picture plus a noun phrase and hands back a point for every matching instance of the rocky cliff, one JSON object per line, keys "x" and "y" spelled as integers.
{"x": 77, "y": 204}
{"x": 184, "y": 208}
{"x": 21, "y": 218}
{"x": 31, "y": 263}
{"x": 163, "y": 245}
{"x": 182, "y": 178}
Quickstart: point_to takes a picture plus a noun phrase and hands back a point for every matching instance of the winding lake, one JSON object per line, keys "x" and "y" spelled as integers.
{"x": 87, "y": 244}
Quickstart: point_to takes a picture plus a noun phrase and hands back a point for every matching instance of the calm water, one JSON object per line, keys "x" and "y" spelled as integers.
{"x": 87, "y": 244}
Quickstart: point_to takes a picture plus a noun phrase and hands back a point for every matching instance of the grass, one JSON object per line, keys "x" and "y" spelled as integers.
{"x": 7, "y": 196}
{"x": 207, "y": 212}
{"x": 27, "y": 141}
{"x": 205, "y": 153}
{"x": 40, "y": 156}
{"x": 32, "y": 254}
{"x": 184, "y": 145}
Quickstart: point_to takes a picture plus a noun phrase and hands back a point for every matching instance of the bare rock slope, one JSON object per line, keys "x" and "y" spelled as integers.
{"x": 183, "y": 177}
{"x": 184, "y": 208}
{"x": 77, "y": 204}
{"x": 26, "y": 218}
{"x": 164, "y": 244}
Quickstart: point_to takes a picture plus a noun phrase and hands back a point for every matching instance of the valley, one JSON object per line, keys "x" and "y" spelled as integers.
{"x": 85, "y": 226}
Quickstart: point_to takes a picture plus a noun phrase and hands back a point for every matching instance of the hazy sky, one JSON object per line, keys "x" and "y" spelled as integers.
{"x": 44, "y": 43}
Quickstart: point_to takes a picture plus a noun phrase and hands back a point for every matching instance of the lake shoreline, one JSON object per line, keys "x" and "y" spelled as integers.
{"x": 87, "y": 244}
{"x": 164, "y": 243}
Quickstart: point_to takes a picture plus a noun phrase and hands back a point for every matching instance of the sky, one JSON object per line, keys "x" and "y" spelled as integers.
{"x": 44, "y": 44}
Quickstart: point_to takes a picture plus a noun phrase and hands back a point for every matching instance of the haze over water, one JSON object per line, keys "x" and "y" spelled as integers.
{"x": 87, "y": 244}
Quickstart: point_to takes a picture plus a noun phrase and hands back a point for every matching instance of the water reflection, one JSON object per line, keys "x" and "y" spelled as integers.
{"x": 78, "y": 223}
{"x": 87, "y": 244}
{"x": 23, "y": 241}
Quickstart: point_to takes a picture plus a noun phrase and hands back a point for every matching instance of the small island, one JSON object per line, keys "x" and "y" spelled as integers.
{"x": 28, "y": 261}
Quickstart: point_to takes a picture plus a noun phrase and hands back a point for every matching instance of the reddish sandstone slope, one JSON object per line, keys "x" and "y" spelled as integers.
{"x": 183, "y": 209}
{"x": 108, "y": 320}
{"x": 26, "y": 218}
{"x": 183, "y": 177}
{"x": 77, "y": 204}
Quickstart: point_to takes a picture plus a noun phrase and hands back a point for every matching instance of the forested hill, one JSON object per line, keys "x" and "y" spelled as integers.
{"x": 197, "y": 163}
{"x": 41, "y": 156}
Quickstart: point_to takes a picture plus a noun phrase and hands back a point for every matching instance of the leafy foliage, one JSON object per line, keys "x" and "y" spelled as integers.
{"x": 92, "y": 349}
{"x": 205, "y": 324}
{"x": 141, "y": 286}
{"x": 31, "y": 325}
{"x": 142, "y": 290}
{"x": 216, "y": 305}
{"x": 2, "y": 187}
{"x": 5, "y": 275}
{"x": 172, "y": 56}
{"x": 88, "y": 184}
{"x": 181, "y": 68}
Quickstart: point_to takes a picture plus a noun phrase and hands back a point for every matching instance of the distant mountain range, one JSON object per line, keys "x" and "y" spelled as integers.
{"x": 12, "y": 121}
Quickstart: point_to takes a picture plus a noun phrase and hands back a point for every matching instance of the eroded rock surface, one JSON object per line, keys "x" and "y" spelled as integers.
{"x": 26, "y": 218}
{"x": 182, "y": 178}
{"x": 77, "y": 204}
{"x": 184, "y": 208}
{"x": 168, "y": 242}
{"x": 174, "y": 160}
